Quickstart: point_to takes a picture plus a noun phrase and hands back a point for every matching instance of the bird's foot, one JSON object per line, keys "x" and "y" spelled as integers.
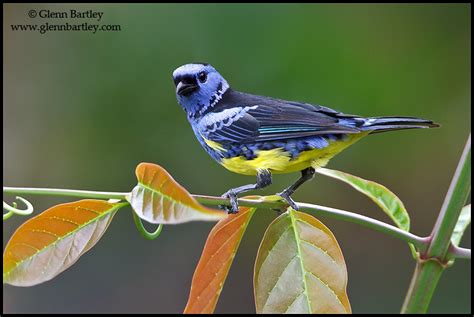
{"x": 234, "y": 206}
{"x": 284, "y": 194}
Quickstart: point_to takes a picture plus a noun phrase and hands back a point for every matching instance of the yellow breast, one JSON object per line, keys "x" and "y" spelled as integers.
{"x": 279, "y": 161}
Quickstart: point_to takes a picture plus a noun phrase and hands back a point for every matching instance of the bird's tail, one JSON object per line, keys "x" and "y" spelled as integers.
{"x": 382, "y": 124}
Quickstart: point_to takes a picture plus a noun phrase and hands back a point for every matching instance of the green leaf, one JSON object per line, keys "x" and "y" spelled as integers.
{"x": 381, "y": 195}
{"x": 463, "y": 222}
{"x": 300, "y": 268}
{"x": 51, "y": 242}
{"x": 158, "y": 198}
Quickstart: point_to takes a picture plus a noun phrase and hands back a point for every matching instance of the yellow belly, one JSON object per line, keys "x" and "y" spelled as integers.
{"x": 279, "y": 161}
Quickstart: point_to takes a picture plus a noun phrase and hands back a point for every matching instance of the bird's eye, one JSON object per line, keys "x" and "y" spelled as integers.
{"x": 202, "y": 77}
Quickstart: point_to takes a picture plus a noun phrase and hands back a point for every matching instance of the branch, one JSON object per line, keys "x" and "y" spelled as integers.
{"x": 432, "y": 263}
{"x": 419, "y": 242}
{"x": 64, "y": 192}
{"x": 452, "y": 206}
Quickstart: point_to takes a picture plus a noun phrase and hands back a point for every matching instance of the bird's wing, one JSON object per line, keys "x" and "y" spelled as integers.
{"x": 272, "y": 120}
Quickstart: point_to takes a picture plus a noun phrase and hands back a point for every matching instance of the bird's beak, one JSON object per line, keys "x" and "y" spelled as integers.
{"x": 185, "y": 89}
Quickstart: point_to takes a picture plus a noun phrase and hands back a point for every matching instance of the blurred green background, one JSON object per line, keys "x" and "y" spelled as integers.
{"x": 81, "y": 110}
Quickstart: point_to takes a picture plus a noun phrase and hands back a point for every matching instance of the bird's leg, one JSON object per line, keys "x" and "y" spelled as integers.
{"x": 264, "y": 178}
{"x": 306, "y": 175}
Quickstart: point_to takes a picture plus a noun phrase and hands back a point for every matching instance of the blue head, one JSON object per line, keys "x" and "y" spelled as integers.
{"x": 198, "y": 87}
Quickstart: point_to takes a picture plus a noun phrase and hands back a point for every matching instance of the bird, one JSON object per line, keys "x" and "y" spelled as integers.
{"x": 260, "y": 136}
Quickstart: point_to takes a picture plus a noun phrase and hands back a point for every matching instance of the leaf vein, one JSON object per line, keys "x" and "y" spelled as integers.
{"x": 294, "y": 300}
{"x": 278, "y": 280}
{"x": 332, "y": 291}
{"x": 47, "y": 232}
{"x": 63, "y": 219}
{"x": 321, "y": 249}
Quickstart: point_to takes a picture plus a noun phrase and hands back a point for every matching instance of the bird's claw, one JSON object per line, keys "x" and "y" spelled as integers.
{"x": 234, "y": 207}
{"x": 288, "y": 199}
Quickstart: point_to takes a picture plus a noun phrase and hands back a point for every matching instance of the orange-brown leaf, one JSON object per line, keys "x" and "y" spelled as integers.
{"x": 49, "y": 243}
{"x": 215, "y": 262}
{"x": 158, "y": 198}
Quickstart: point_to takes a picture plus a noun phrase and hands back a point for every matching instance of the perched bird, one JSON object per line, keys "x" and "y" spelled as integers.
{"x": 256, "y": 135}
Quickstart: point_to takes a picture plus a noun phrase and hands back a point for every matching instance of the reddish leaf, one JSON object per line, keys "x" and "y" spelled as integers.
{"x": 158, "y": 198}
{"x": 51, "y": 242}
{"x": 215, "y": 262}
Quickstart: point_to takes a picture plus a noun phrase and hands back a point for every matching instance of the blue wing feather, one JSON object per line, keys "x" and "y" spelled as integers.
{"x": 243, "y": 118}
